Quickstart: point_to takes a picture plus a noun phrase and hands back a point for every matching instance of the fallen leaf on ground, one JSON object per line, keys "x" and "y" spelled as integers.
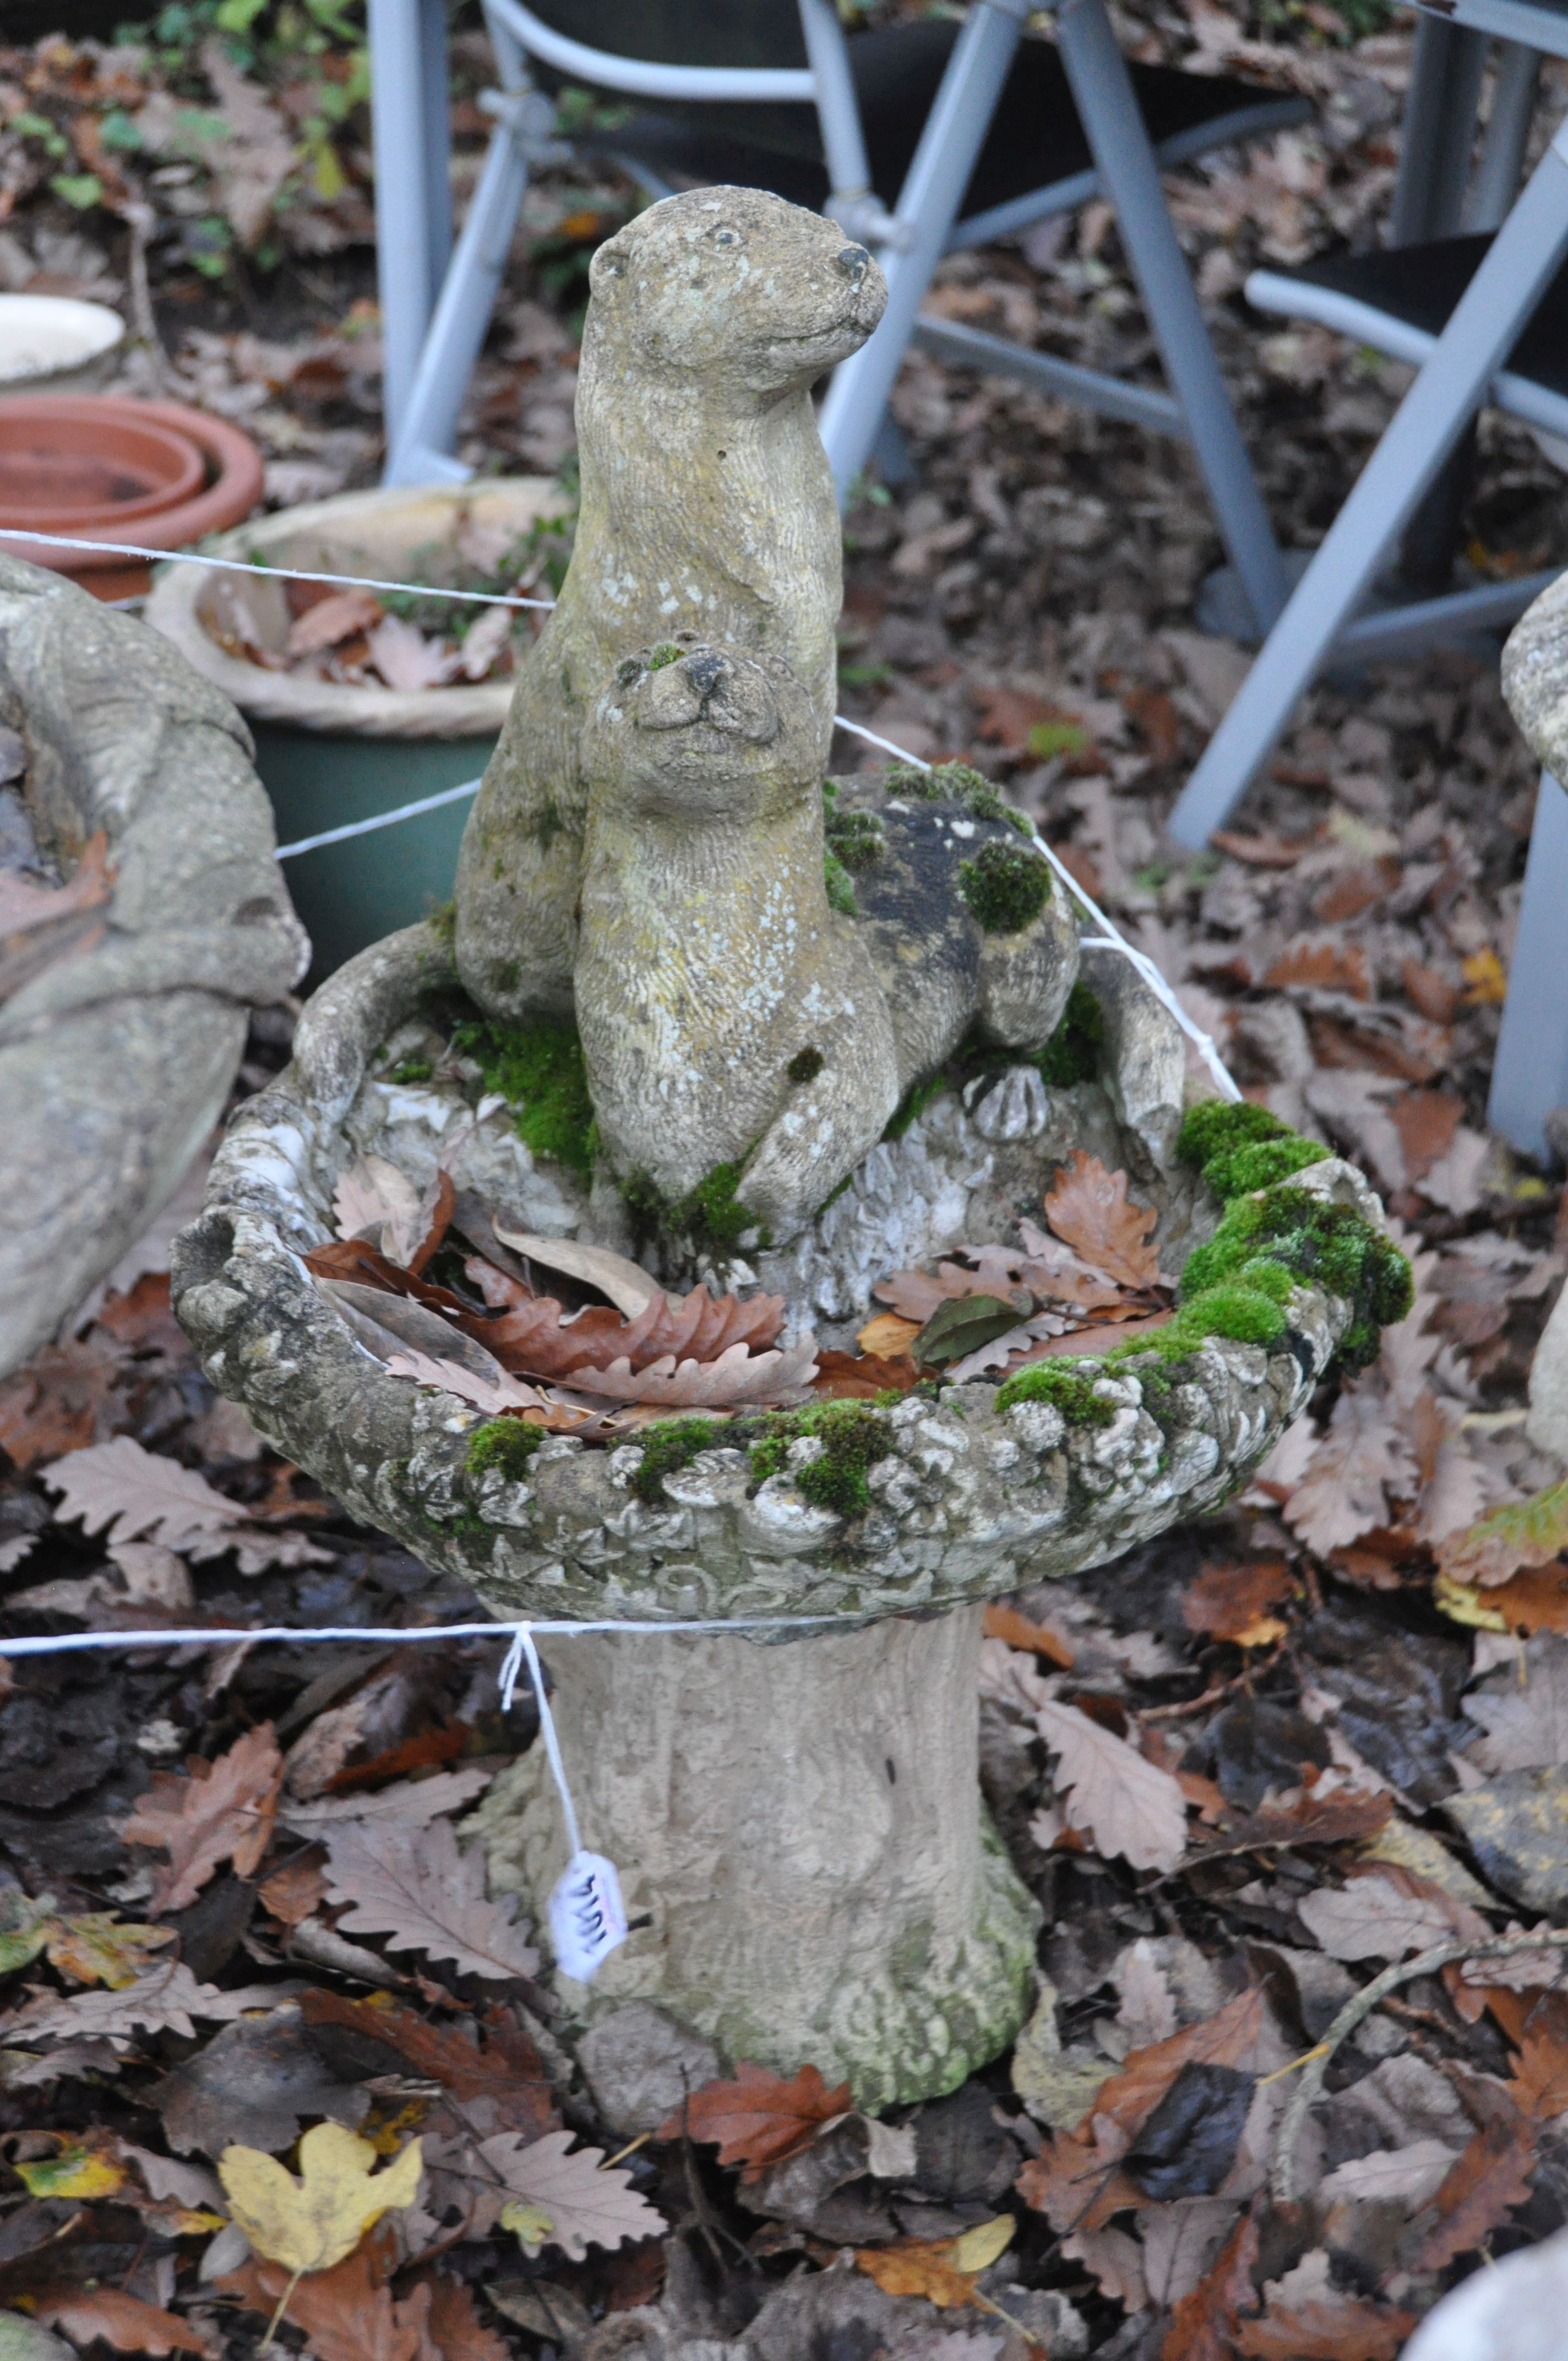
{"x": 1491, "y": 2177}
{"x": 332, "y": 619}
{"x": 1340, "y": 2328}
{"x": 199, "y": 1820}
{"x": 406, "y": 659}
{"x": 311, "y": 2223}
{"x": 165, "y": 1999}
{"x": 1002, "y": 1622}
{"x": 87, "y": 2314}
{"x": 627, "y": 1284}
{"x": 1379, "y": 1917}
{"x": 1519, "y": 1535}
{"x": 430, "y": 1897}
{"x": 758, "y": 2119}
{"x": 507, "y": 2072}
{"x": 1087, "y": 1207}
{"x": 1122, "y": 1804}
{"x": 545, "y": 2191}
{"x": 1206, "y": 2324}
{"x": 1233, "y": 1602}
{"x": 347, "y": 2313}
{"x": 126, "y": 1493}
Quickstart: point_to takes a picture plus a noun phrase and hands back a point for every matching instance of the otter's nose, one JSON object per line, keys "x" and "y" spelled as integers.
{"x": 854, "y": 262}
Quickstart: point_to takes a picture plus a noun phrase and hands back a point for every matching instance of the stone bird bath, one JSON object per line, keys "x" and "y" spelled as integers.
{"x": 797, "y": 1819}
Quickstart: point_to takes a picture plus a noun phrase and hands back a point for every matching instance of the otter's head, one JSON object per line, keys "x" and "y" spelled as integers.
{"x": 705, "y": 733}
{"x": 732, "y": 285}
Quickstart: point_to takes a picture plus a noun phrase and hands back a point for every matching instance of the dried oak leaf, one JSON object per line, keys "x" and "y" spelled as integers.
{"x": 1206, "y": 2324}
{"x": 923, "y": 2268}
{"x": 1363, "y": 1463}
{"x": 347, "y": 2313}
{"x": 736, "y": 1376}
{"x": 1491, "y": 2176}
{"x": 1087, "y": 1208}
{"x": 1386, "y": 1913}
{"x": 122, "y": 2321}
{"x": 536, "y": 1339}
{"x": 1124, "y": 1804}
{"x": 861, "y": 1376}
{"x": 165, "y": 1999}
{"x": 758, "y": 2119}
{"x": 226, "y": 1812}
{"x": 311, "y": 2223}
{"x": 129, "y": 1494}
{"x": 1340, "y": 2328}
{"x": 330, "y": 619}
{"x": 498, "y": 1393}
{"x": 99, "y": 1948}
{"x": 411, "y": 1803}
{"x": 63, "y": 1401}
{"x": 507, "y": 2072}
{"x": 1520, "y": 1535}
{"x": 1005, "y": 1624}
{"x": 542, "y": 2191}
{"x": 1235, "y": 1602}
{"x": 429, "y": 1898}
{"x": 1539, "y": 2082}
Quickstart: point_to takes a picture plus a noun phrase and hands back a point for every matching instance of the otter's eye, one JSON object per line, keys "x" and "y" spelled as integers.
{"x": 627, "y": 671}
{"x": 727, "y": 238}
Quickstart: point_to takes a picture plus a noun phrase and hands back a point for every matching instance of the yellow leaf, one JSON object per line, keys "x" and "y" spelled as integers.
{"x": 76, "y": 2172}
{"x": 310, "y": 2223}
{"x": 99, "y": 1950}
{"x": 888, "y": 1336}
{"x": 1261, "y": 1633}
{"x": 978, "y": 2248}
{"x": 1484, "y": 975}
{"x": 327, "y": 173}
{"x": 531, "y": 2224}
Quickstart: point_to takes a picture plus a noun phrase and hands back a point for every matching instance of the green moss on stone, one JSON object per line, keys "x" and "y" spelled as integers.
{"x": 710, "y": 1216}
{"x": 538, "y": 1069}
{"x": 1239, "y": 1147}
{"x": 505, "y": 1443}
{"x": 954, "y": 783}
{"x": 667, "y": 653}
{"x": 914, "y": 1104}
{"x": 805, "y": 1065}
{"x": 858, "y": 837}
{"x": 840, "y": 885}
{"x": 1067, "y": 1389}
{"x": 1006, "y": 887}
{"x": 853, "y": 1438}
{"x": 1326, "y": 1246}
{"x": 1072, "y": 1053}
{"x": 670, "y": 1445}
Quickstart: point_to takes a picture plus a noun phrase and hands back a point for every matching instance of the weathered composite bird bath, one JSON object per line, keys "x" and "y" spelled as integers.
{"x": 761, "y": 973}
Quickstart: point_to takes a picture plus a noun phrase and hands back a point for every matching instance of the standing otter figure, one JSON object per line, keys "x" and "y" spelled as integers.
{"x": 708, "y": 510}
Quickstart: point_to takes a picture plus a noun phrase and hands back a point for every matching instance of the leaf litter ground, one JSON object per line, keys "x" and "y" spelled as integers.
{"x": 1240, "y": 1770}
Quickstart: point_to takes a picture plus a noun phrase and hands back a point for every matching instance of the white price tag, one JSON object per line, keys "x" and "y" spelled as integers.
{"x": 587, "y": 1917}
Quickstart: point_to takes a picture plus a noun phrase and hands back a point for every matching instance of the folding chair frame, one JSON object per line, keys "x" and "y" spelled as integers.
{"x": 435, "y": 310}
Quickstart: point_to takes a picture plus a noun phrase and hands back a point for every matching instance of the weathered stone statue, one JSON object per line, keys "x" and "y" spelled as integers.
{"x": 760, "y": 963}
{"x": 707, "y": 506}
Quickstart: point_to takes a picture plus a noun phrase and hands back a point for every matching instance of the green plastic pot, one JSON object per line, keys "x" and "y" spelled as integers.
{"x": 349, "y": 895}
{"x": 328, "y": 754}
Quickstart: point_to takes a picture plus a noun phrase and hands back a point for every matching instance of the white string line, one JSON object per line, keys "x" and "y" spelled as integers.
{"x": 380, "y": 819}
{"x": 278, "y": 573}
{"x": 373, "y": 1636}
{"x": 521, "y": 1646}
{"x": 1111, "y": 936}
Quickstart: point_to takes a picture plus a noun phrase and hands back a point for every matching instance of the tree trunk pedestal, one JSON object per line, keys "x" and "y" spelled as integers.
{"x": 809, "y": 1869}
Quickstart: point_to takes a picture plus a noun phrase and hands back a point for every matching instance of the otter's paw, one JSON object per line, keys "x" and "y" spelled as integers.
{"x": 1008, "y": 1106}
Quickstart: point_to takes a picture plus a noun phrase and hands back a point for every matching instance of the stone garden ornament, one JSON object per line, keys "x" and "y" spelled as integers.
{"x": 812, "y": 1028}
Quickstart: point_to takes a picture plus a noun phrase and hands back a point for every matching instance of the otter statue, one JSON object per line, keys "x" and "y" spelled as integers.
{"x": 706, "y": 502}
{"x": 728, "y": 1014}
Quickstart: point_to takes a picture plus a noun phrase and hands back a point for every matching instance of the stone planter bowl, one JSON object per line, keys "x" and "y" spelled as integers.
{"x": 774, "y": 1809}
{"x": 116, "y": 1062}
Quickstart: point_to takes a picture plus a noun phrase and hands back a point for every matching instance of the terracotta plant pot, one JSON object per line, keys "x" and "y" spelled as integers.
{"x": 110, "y": 469}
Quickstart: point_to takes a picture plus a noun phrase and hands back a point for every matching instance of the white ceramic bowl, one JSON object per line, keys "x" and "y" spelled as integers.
{"x": 56, "y": 344}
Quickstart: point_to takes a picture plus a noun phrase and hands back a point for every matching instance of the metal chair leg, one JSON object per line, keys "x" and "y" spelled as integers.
{"x": 928, "y": 202}
{"x": 1438, "y": 129}
{"x": 1103, "y": 90}
{"x": 1530, "y": 1076}
{"x": 1521, "y": 265}
{"x": 410, "y": 226}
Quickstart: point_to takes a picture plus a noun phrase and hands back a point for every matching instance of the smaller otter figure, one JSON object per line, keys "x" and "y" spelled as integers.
{"x": 729, "y": 1014}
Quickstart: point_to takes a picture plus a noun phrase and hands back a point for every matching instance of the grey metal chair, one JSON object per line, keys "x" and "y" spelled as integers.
{"x": 920, "y": 140}
{"x": 1485, "y": 315}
